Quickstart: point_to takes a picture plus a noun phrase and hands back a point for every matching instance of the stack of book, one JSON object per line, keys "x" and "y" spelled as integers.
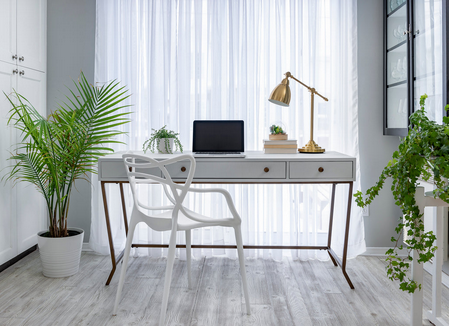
{"x": 280, "y": 146}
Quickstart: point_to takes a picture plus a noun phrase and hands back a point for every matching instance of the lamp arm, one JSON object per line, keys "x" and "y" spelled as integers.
{"x": 309, "y": 88}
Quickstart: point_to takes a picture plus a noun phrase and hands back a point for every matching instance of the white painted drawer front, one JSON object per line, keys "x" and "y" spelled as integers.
{"x": 330, "y": 170}
{"x": 230, "y": 170}
{"x": 116, "y": 170}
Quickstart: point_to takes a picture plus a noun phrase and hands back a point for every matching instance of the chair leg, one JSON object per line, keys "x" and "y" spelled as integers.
{"x": 239, "y": 246}
{"x": 168, "y": 277}
{"x": 128, "y": 246}
{"x": 188, "y": 256}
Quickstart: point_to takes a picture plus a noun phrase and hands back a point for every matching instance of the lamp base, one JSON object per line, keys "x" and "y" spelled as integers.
{"x": 311, "y": 147}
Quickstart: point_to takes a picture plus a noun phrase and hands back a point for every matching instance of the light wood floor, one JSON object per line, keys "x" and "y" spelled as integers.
{"x": 281, "y": 293}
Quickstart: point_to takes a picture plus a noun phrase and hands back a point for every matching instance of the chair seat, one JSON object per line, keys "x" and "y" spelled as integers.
{"x": 164, "y": 221}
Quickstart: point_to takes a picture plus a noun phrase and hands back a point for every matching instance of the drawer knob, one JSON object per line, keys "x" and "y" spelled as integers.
{"x": 320, "y": 169}
{"x": 266, "y": 170}
{"x": 183, "y": 169}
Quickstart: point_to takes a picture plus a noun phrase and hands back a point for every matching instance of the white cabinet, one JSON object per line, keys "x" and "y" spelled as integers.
{"x": 23, "y": 33}
{"x": 31, "y": 208}
{"x": 22, "y": 208}
{"x": 8, "y": 234}
{"x": 8, "y": 30}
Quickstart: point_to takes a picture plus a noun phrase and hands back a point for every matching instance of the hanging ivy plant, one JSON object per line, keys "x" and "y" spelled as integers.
{"x": 423, "y": 153}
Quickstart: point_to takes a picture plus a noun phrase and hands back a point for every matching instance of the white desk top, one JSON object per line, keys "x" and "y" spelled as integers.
{"x": 250, "y": 155}
{"x": 256, "y": 167}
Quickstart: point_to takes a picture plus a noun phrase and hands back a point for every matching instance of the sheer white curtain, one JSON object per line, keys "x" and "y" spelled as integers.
{"x": 198, "y": 59}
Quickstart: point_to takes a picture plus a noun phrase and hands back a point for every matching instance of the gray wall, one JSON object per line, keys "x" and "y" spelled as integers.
{"x": 71, "y": 33}
{"x": 375, "y": 149}
{"x": 71, "y": 49}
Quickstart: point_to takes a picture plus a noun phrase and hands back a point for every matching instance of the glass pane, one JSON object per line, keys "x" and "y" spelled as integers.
{"x": 397, "y": 106}
{"x": 396, "y": 25}
{"x": 434, "y": 104}
{"x": 397, "y": 65}
{"x": 394, "y": 4}
{"x": 428, "y": 47}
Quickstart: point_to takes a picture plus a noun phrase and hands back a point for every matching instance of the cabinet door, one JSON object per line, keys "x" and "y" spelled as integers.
{"x": 8, "y": 235}
{"x": 31, "y": 208}
{"x": 397, "y": 63}
{"x": 430, "y": 55}
{"x": 7, "y": 30}
{"x": 32, "y": 34}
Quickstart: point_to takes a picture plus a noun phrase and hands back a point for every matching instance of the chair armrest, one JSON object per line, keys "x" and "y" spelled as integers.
{"x": 225, "y": 193}
{"x": 156, "y": 208}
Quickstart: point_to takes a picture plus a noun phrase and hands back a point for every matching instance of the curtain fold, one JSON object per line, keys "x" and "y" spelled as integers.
{"x": 195, "y": 59}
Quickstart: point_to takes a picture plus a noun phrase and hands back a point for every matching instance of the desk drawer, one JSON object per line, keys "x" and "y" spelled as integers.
{"x": 230, "y": 170}
{"x": 312, "y": 170}
{"x": 116, "y": 170}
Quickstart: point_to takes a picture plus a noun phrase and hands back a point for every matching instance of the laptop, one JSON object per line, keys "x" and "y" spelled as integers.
{"x": 218, "y": 138}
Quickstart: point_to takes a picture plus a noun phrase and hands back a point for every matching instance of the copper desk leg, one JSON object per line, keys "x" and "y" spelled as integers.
{"x": 345, "y": 243}
{"x": 331, "y": 220}
{"x": 114, "y": 261}
{"x": 332, "y": 254}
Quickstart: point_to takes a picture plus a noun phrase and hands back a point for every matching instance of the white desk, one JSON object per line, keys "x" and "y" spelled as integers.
{"x": 330, "y": 167}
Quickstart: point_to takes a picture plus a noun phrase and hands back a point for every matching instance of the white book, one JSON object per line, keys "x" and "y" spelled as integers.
{"x": 280, "y": 150}
{"x": 280, "y": 142}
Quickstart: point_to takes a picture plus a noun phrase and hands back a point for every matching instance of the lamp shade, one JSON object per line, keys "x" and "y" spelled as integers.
{"x": 281, "y": 95}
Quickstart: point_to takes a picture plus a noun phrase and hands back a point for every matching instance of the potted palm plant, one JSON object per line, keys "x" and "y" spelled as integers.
{"x": 422, "y": 154}
{"x": 56, "y": 151}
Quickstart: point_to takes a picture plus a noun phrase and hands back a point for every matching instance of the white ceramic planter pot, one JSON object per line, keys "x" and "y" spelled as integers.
{"x": 60, "y": 257}
{"x": 162, "y": 146}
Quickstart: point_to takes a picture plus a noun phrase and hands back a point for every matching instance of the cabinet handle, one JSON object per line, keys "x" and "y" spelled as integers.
{"x": 183, "y": 169}
{"x": 320, "y": 169}
{"x": 409, "y": 31}
{"x": 15, "y": 57}
{"x": 21, "y": 58}
{"x": 266, "y": 170}
{"x": 15, "y": 71}
{"x": 22, "y": 73}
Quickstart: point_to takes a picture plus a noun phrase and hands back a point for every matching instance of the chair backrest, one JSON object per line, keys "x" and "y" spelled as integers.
{"x": 135, "y": 165}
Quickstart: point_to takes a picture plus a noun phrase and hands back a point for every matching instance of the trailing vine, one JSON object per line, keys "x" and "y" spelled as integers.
{"x": 423, "y": 153}
{"x": 162, "y": 133}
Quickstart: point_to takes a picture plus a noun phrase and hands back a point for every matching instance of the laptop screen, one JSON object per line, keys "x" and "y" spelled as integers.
{"x": 218, "y": 136}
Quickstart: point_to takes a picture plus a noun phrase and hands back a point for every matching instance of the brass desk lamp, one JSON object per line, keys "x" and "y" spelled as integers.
{"x": 281, "y": 95}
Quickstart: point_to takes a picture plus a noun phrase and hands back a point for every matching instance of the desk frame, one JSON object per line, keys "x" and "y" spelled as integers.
{"x": 333, "y": 256}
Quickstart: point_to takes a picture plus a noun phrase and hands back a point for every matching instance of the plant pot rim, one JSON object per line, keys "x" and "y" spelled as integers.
{"x": 80, "y": 231}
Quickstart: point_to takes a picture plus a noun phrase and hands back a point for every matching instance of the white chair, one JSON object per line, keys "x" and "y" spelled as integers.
{"x": 175, "y": 218}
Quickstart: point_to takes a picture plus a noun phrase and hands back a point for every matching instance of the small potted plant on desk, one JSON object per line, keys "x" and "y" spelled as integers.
{"x": 58, "y": 150}
{"x": 277, "y": 133}
{"x": 163, "y": 141}
{"x": 422, "y": 154}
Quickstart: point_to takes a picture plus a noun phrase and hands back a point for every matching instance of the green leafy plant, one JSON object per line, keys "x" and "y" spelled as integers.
{"x": 423, "y": 153}
{"x": 56, "y": 151}
{"x": 162, "y": 133}
{"x": 275, "y": 130}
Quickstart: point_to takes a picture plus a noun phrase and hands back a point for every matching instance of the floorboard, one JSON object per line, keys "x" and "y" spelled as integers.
{"x": 287, "y": 292}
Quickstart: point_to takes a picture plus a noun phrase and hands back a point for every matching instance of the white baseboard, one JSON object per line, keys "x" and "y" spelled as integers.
{"x": 380, "y": 251}
{"x": 86, "y": 247}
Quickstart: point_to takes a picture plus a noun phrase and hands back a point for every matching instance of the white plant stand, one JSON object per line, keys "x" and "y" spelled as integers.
{"x": 416, "y": 309}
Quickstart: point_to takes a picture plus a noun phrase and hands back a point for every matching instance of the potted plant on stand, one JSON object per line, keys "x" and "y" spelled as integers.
{"x": 163, "y": 141}
{"x": 56, "y": 151}
{"x": 422, "y": 154}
